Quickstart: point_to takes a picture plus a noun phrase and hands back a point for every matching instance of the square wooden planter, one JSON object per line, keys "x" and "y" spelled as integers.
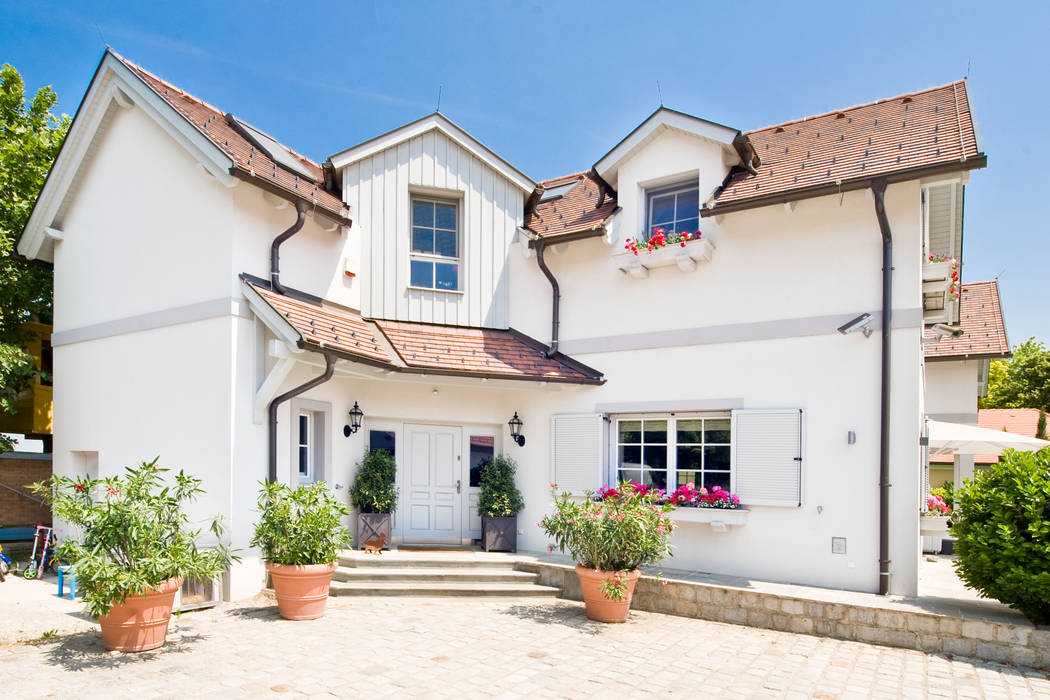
{"x": 499, "y": 534}
{"x": 373, "y": 529}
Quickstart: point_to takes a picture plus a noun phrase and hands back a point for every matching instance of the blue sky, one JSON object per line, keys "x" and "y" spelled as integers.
{"x": 551, "y": 86}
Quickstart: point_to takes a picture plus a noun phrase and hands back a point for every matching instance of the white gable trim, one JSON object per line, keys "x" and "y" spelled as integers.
{"x": 114, "y": 87}
{"x": 278, "y": 324}
{"x": 659, "y": 120}
{"x": 433, "y": 122}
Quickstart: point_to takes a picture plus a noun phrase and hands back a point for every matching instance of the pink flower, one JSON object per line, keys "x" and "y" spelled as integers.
{"x": 663, "y": 582}
{"x": 112, "y": 491}
{"x": 554, "y": 485}
{"x": 78, "y": 487}
{"x": 549, "y": 550}
{"x": 660, "y": 528}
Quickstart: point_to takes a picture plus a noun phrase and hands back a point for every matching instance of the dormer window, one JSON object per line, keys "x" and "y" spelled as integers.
{"x": 434, "y": 261}
{"x": 675, "y": 208}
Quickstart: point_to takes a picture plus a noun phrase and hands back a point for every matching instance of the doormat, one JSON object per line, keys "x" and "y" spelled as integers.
{"x": 435, "y": 548}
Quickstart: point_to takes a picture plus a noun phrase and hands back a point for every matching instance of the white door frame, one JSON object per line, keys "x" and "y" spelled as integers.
{"x": 470, "y": 495}
{"x": 455, "y": 532}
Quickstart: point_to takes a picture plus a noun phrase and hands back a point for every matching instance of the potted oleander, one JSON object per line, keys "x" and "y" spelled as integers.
{"x": 611, "y": 536}
{"x": 301, "y": 533}
{"x": 374, "y": 497}
{"x": 499, "y": 504}
{"x": 133, "y": 548}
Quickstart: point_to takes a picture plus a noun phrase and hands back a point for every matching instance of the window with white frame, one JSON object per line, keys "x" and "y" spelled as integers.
{"x": 675, "y": 208}
{"x": 307, "y": 448}
{"x": 434, "y": 260}
{"x": 668, "y": 451}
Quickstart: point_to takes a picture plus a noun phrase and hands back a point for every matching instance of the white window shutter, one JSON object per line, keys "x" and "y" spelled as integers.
{"x": 767, "y": 456}
{"x": 577, "y": 441}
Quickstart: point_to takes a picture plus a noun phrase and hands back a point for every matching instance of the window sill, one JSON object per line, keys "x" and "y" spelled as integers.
{"x": 431, "y": 289}
{"x": 718, "y": 518}
{"x": 685, "y": 259}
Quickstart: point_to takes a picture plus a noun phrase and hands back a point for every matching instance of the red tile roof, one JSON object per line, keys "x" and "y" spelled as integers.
{"x": 1020, "y": 421}
{"x": 915, "y": 131}
{"x": 981, "y": 320}
{"x": 575, "y": 212}
{"x": 248, "y": 159}
{"x": 503, "y": 353}
{"x": 330, "y": 327}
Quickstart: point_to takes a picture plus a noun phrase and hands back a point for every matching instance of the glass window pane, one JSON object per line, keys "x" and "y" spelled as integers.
{"x": 661, "y": 209}
{"x": 304, "y": 460}
{"x": 716, "y": 430}
{"x": 688, "y": 204}
{"x": 446, "y": 243}
{"x": 422, "y": 274}
{"x": 304, "y": 429}
{"x": 631, "y": 431}
{"x": 690, "y": 477}
{"x": 630, "y": 456}
{"x": 482, "y": 449}
{"x": 655, "y": 478}
{"x": 381, "y": 440}
{"x": 422, "y": 240}
{"x": 628, "y": 474}
{"x": 655, "y": 457}
{"x": 655, "y": 431}
{"x": 422, "y": 214}
{"x": 716, "y": 458}
{"x": 446, "y": 276}
{"x": 446, "y": 216}
{"x": 687, "y": 226}
{"x": 689, "y": 431}
{"x": 689, "y": 457}
{"x": 716, "y": 479}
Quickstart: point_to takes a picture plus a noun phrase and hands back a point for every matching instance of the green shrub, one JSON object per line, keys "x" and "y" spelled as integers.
{"x": 300, "y": 526}
{"x": 499, "y": 496}
{"x": 135, "y": 533}
{"x": 1002, "y": 522}
{"x": 947, "y": 493}
{"x": 373, "y": 490}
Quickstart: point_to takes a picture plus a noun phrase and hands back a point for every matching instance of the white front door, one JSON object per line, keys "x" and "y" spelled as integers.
{"x": 433, "y": 484}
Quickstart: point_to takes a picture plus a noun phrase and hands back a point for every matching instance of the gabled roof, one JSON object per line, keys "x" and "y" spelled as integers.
{"x": 981, "y": 320}
{"x": 663, "y": 118}
{"x": 432, "y": 122}
{"x": 579, "y": 210}
{"x": 411, "y": 348}
{"x": 899, "y": 138}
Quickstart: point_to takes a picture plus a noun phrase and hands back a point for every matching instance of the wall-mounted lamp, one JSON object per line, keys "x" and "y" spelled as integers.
{"x": 356, "y": 414}
{"x": 515, "y": 430}
{"x": 860, "y": 323}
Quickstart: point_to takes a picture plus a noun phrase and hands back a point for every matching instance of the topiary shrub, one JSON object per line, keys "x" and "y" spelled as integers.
{"x": 373, "y": 490}
{"x": 1002, "y": 522}
{"x": 499, "y": 496}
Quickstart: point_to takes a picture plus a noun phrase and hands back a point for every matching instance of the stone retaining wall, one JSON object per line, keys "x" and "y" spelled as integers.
{"x": 992, "y": 641}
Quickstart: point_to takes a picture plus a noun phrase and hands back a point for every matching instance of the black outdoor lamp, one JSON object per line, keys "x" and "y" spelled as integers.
{"x": 515, "y": 430}
{"x": 356, "y": 414}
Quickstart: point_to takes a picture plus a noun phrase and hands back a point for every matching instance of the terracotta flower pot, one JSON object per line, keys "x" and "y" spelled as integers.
{"x": 140, "y": 623}
{"x": 302, "y": 591}
{"x": 597, "y": 605}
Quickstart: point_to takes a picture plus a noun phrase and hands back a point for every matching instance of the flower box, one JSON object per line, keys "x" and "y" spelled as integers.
{"x": 933, "y": 525}
{"x": 718, "y": 518}
{"x": 684, "y": 257}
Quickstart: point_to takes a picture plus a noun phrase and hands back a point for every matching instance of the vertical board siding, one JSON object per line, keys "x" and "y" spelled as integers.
{"x": 378, "y": 188}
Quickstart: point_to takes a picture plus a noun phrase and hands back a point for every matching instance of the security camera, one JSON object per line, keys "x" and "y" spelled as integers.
{"x": 859, "y": 323}
{"x": 943, "y": 330}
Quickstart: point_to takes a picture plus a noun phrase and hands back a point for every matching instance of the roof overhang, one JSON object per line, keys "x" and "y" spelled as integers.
{"x": 433, "y": 122}
{"x": 113, "y": 87}
{"x": 657, "y": 122}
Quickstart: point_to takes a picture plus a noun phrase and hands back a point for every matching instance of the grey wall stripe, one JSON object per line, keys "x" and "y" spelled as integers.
{"x": 213, "y": 308}
{"x": 966, "y": 418}
{"x": 670, "y": 406}
{"x": 733, "y": 333}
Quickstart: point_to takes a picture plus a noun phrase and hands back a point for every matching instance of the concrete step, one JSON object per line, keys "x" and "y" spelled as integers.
{"x": 441, "y": 589}
{"x": 425, "y": 560}
{"x": 433, "y": 574}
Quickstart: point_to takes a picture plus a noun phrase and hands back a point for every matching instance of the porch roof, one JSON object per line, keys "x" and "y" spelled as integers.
{"x": 983, "y": 329}
{"x": 414, "y": 348}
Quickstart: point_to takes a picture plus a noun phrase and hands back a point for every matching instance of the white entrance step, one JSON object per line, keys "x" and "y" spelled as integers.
{"x": 432, "y": 573}
{"x": 438, "y": 588}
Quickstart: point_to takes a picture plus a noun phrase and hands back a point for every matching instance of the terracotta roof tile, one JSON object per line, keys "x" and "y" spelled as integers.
{"x": 483, "y": 350}
{"x": 339, "y": 329}
{"x": 981, "y": 320}
{"x": 924, "y": 128}
{"x": 211, "y": 122}
{"x": 574, "y": 212}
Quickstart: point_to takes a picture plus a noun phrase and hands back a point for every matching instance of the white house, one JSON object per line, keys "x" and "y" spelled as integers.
{"x": 205, "y": 274}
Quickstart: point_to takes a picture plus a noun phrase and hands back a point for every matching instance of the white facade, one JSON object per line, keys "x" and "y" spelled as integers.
{"x": 158, "y": 353}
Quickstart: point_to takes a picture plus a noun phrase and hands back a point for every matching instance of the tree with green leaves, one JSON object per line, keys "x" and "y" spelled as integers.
{"x": 30, "y": 136}
{"x": 1023, "y": 381}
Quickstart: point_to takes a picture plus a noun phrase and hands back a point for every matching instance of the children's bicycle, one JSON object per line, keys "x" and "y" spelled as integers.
{"x": 5, "y": 565}
{"x": 45, "y": 542}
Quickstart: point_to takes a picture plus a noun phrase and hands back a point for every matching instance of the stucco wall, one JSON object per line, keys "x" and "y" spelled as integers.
{"x": 951, "y": 390}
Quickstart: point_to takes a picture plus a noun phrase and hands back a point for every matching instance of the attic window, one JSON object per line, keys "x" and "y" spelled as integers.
{"x": 269, "y": 145}
{"x": 557, "y": 192}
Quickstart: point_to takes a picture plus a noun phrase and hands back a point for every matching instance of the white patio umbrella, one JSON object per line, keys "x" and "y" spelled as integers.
{"x": 959, "y": 439}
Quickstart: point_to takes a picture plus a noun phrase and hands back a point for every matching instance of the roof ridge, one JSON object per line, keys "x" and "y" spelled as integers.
{"x": 857, "y": 106}
{"x": 545, "y": 183}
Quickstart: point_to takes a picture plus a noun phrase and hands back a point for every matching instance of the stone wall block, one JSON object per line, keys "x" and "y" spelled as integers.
{"x": 889, "y": 619}
{"x": 950, "y": 627}
{"x": 780, "y": 622}
{"x": 959, "y": 646}
{"x": 1040, "y": 639}
{"x": 992, "y": 652}
{"x": 923, "y": 624}
{"x": 974, "y": 629}
{"x": 759, "y": 618}
{"x": 1012, "y": 634}
{"x": 801, "y": 625}
{"x": 834, "y": 611}
{"x": 1022, "y": 656}
{"x": 861, "y": 616}
{"x": 737, "y": 616}
{"x": 902, "y": 639}
{"x": 791, "y": 606}
{"x": 931, "y": 643}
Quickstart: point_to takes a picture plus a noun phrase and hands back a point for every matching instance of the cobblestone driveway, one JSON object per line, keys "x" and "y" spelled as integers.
{"x": 503, "y": 648}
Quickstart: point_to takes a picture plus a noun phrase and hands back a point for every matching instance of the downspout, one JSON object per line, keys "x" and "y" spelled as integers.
{"x": 555, "y": 294}
{"x": 275, "y": 252}
{"x": 878, "y": 188}
{"x": 329, "y": 369}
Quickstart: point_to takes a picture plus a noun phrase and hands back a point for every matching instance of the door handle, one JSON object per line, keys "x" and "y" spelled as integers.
{"x": 459, "y": 485}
